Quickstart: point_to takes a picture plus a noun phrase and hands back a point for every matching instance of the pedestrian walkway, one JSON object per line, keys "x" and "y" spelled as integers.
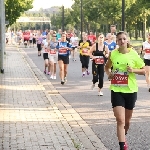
{"x": 30, "y": 119}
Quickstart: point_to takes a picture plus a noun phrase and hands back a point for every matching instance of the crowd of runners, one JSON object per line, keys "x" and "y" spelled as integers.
{"x": 111, "y": 54}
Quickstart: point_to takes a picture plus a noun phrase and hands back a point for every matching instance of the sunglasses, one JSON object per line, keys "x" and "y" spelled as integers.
{"x": 54, "y": 36}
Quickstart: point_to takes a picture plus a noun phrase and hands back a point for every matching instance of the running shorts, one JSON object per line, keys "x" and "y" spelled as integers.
{"x": 39, "y": 47}
{"x": 126, "y": 100}
{"x": 65, "y": 59}
{"x": 147, "y": 62}
{"x": 45, "y": 56}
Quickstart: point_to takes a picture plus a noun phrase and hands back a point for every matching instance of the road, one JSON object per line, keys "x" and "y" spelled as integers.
{"x": 97, "y": 111}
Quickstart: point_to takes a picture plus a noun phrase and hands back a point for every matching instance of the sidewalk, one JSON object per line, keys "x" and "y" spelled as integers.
{"x": 30, "y": 120}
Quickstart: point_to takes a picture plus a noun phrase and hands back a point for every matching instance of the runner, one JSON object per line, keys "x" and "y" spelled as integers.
{"x": 26, "y": 36}
{"x": 146, "y": 48}
{"x": 45, "y": 51}
{"x": 92, "y": 37}
{"x": 109, "y": 42}
{"x": 53, "y": 56}
{"x": 31, "y": 39}
{"x": 97, "y": 52}
{"x": 63, "y": 57}
{"x": 126, "y": 63}
{"x": 39, "y": 42}
{"x": 74, "y": 43}
{"x": 84, "y": 46}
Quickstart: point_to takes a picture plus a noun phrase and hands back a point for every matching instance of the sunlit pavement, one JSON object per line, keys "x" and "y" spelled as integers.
{"x": 33, "y": 115}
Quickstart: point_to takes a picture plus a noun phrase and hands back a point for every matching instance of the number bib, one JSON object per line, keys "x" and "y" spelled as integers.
{"x": 85, "y": 51}
{"x": 99, "y": 59}
{"x": 120, "y": 79}
{"x": 52, "y": 52}
{"x": 62, "y": 51}
{"x": 147, "y": 53}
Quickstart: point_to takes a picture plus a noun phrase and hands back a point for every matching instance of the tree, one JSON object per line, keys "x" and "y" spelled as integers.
{"x": 14, "y": 8}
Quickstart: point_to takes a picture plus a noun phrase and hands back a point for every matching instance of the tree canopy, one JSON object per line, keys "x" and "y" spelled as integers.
{"x": 14, "y": 8}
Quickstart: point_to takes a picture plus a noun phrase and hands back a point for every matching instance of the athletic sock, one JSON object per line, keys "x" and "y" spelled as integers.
{"x": 121, "y": 145}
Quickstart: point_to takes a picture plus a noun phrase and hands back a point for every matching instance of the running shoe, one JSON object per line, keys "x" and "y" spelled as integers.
{"x": 65, "y": 79}
{"x": 54, "y": 77}
{"x": 51, "y": 77}
{"x": 100, "y": 93}
{"x": 125, "y": 146}
{"x": 87, "y": 72}
{"x": 48, "y": 73}
{"x": 62, "y": 82}
{"x": 93, "y": 86}
{"x": 83, "y": 75}
{"x": 45, "y": 71}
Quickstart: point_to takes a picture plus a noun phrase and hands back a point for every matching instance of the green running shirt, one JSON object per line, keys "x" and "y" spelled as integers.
{"x": 124, "y": 81}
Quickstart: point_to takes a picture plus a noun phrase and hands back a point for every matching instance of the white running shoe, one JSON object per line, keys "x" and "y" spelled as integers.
{"x": 54, "y": 77}
{"x": 51, "y": 77}
{"x": 100, "y": 93}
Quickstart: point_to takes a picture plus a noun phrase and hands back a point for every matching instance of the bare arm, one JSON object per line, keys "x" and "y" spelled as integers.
{"x": 107, "y": 52}
{"x": 136, "y": 71}
{"x": 92, "y": 49}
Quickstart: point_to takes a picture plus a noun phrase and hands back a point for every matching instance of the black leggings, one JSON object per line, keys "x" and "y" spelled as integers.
{"x": 98, "y": 74}
{"x": 84, "y": 61}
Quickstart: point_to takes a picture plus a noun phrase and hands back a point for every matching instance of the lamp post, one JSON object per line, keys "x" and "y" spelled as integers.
{"x": 63, "y": 16}
{"x": 123, "y": 15}
{"x": 81, "y": 17}
{"x": 2, "y": 34}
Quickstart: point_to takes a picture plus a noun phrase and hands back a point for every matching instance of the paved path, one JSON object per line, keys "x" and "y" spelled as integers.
{"x": 96, "y": 111}
{"x": 33, "y": 115}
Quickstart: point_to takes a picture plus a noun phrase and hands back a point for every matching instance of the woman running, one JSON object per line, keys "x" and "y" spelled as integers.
{"x": 45, "y": 51}
{"x": 53, "y": 56}
{"x": 97, "y": 52}
{"x": 146, "y": 48}
{"x": 126, "y": 63}
{"x": 63, "y": 48}
{"x": 84, "y": 46}
{"x": 39, "y": 43}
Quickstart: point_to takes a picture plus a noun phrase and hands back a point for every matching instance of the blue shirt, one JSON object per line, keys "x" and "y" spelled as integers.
{"x": 61, "y": 50}
{"x": 111, "y": 46}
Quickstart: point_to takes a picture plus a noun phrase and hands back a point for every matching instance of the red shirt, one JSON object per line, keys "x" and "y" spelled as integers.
{"x": 92, "y": 38}
{"x": 26, "y": 35}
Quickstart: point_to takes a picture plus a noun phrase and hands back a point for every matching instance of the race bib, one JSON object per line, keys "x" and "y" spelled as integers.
{"x": 85, "y": 51}
{"x": 147, "y": 51}
{"x": 62, "y": 51}
{"x": 99, "y": 59}
{"x": 52, "y": 52}
{"x": 120, "y": 79}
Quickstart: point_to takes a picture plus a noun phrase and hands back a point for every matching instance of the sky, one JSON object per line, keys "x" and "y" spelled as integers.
{"x": 37, "y": 4}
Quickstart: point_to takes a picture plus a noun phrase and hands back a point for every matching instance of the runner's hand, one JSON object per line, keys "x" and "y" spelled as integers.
{"x": 110, "y": 76}
{"x": 129, "y": 69}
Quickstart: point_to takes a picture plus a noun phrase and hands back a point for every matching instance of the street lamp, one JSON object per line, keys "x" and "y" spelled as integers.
{"x": 81, "y": 17}
{"x": 123, "y": 15}
{"x": 63, "y": 17}
{"x": 2, "y": 34}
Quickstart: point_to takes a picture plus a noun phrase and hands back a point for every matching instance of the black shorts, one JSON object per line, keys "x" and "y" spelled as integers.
{"x": 39, "y": 47}
{"x": 126, "y": 100}
{"x": 73, "y": 48}
{"x": 34, "y": 41}
{"x": 147, "y": 62}
{"x": 30, "y": 41}
{"x": 26, "y": 40}
{"x": 84, "y": 61}
{"x": 65, "y": 59}
{"x": 45, "y": 56}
